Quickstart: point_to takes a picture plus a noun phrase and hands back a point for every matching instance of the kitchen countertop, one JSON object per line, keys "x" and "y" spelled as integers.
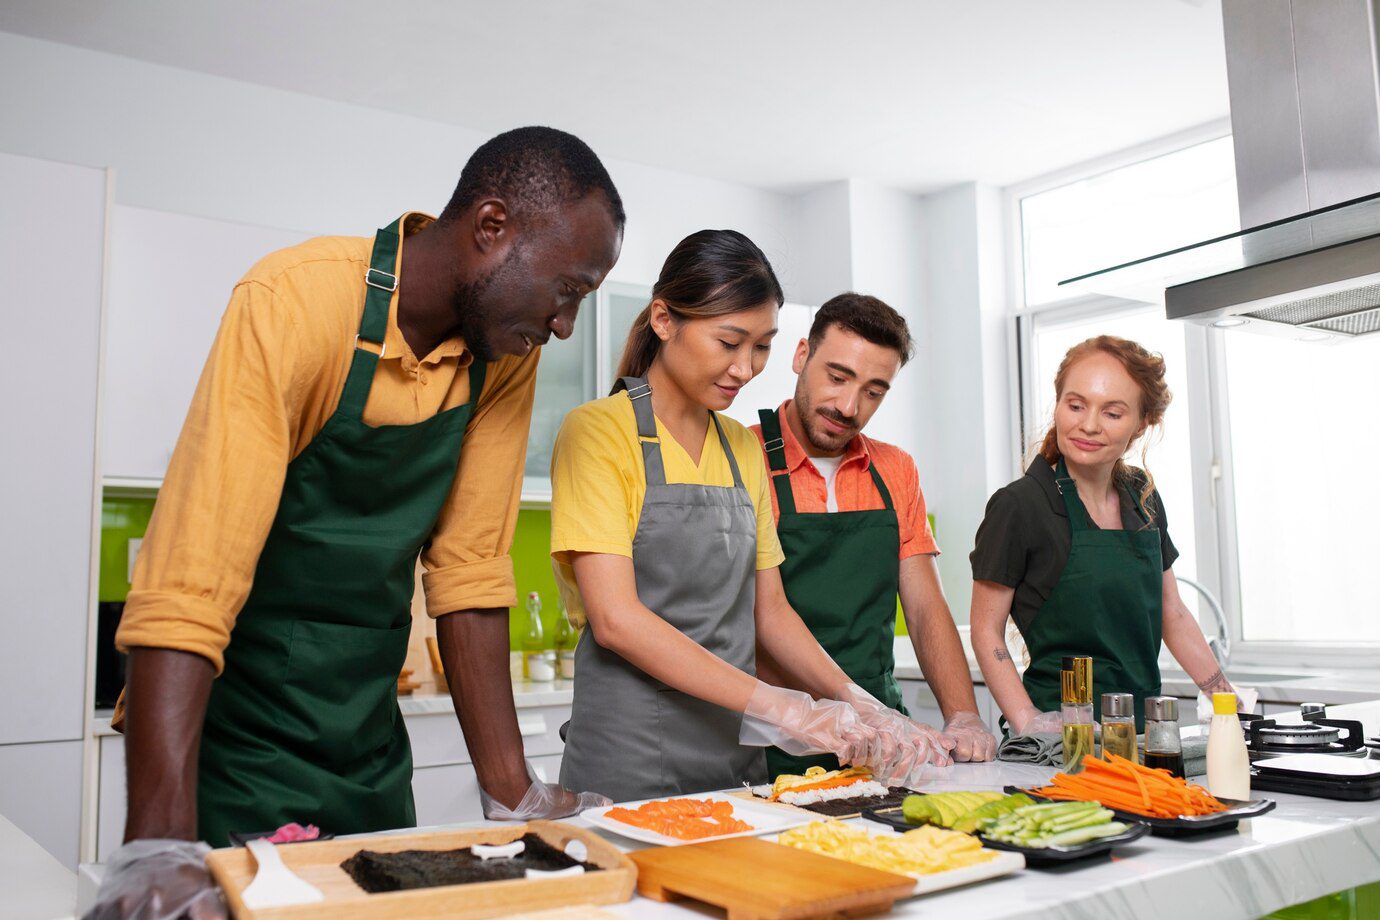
{"x": 35, "y": 884}
{"x": 1304, "y": 849}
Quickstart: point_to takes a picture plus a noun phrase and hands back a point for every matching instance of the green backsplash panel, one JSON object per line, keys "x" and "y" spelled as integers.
{"x": 122, "y": 519}
{"x": 531, "y": 554}
{"x": 901, "y": 629}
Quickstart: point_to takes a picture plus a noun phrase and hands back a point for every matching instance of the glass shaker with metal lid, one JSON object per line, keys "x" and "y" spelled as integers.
{"x": 1119, "y": 725}
{"x": 1164, "y": 749}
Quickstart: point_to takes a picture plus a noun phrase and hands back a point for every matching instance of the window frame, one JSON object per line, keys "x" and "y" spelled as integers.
{"x": 1210, "y": 448}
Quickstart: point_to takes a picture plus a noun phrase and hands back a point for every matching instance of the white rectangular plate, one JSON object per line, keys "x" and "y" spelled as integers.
{"x": 1326, "y": 764}
{"x": 765, "y": 819}
{"x": 1005, "y": 863}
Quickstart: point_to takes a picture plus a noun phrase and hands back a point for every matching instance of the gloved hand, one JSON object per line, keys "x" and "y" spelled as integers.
{"x": 973, "y": 743}
{"x": 928, "y": 744}
{"x": 1045, "y": 722}
{"x": 158, "y": 880}
{"x": 541, "y": 800}
{"x": 799, "y": 724}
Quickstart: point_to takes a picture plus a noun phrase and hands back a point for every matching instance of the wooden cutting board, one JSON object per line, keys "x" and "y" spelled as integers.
{"x": 319, "y": 863}
{"x": 756, "y": 880}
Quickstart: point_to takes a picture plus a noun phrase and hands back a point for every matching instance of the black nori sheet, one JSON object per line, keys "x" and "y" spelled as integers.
{"x": 378, "y": 872}
{"x": 852, "y": 807}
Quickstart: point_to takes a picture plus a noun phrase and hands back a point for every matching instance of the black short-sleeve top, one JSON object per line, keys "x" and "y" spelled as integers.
{"x": 1024, "y": 539}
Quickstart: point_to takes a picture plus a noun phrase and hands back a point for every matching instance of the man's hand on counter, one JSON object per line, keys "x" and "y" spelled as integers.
{"x": 973, "y": 743}
{"x": 158, "y": 880}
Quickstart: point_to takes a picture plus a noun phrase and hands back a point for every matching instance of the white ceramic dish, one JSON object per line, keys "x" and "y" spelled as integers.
{"x": 1005, "y": 863}
{"x": 765, "y": 819}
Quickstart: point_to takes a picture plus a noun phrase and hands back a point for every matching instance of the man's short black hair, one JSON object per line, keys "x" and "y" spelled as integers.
{"x": 866, "y": 316}
{"x": 535, "y": 170}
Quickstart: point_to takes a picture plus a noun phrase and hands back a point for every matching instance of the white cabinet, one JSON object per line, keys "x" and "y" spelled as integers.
{"x": 171, "y": 276}
{"x": 41, "y": 795}
{"x": 924, "y": 707}
{"x": 52, "y": 260}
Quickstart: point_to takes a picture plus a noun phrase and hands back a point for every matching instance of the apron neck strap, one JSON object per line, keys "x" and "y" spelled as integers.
{"x": 775, "y": 447}
{"x": 380, "y": 282}
{"x": 1068, "y": 491}
{"x": 640, "y": 393}
{"x": 881, "y": 486}
{"x": 776, "y": 459}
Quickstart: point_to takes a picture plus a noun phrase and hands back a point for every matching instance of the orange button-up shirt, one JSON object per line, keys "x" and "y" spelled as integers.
{"x": 273, "y": 379}
{"x": 854, "y": 489}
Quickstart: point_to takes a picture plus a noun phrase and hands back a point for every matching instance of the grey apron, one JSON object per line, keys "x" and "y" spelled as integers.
{"x": 631, "y": 736}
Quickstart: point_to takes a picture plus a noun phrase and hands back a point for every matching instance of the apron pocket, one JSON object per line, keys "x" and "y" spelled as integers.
{"x": 699, "y": 744}
{"x": 340, "y": 691}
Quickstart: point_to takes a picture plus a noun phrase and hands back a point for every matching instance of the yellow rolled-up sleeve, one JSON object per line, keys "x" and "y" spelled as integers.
{"x": 466, "y": 565}
{"x": 223, "y": 485}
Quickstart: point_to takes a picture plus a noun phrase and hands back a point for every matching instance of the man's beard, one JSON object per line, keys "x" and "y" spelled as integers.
{"x": 474, "y": 312}
{"x": 820, "y": 441}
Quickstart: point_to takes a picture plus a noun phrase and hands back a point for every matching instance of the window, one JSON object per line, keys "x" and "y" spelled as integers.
{"x": 1280, "y": 432}
{"x": 1123, "y": 214}
{"x": 1304, "y": 446}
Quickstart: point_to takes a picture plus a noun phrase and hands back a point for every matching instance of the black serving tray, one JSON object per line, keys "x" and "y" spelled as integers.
{"x": 1037, "y": 857}
{"x": 1034, "y": 856}
{"x": 1189, "y": 825}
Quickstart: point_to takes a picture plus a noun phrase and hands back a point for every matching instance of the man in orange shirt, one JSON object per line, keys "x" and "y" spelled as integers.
{"x": 852, "y": 522}
{"x": 365, "y": 402}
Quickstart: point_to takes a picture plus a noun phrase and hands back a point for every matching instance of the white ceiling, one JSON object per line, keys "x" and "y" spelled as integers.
{"x": 919, "y": 94}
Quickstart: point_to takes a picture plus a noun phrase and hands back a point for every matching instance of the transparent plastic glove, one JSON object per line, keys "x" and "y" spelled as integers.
{"x": 799, "y": 724}
{"x": 973, "y": 743}
{"x": 930, "y": 746}
{"x": 1043, "y": 723}
{"x": 158, "y": 880}
{"x": 1246, "y": 698}
{"x": 541, "y": 800}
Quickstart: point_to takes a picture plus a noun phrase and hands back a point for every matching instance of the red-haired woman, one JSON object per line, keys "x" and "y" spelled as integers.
{"x": 1078, "y": 553}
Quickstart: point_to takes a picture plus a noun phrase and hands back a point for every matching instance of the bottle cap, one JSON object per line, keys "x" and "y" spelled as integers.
{"x": 1076, "y": 682}
{"x": 532, "y": 594}
{"x": 1118, "y": 705}
{"x": 1224, "y": 704}
{"x": 1161, "y": 709}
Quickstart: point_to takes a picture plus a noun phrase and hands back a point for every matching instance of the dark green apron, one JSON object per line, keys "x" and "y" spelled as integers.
{"x": 841, "y": 574}
{"x": 1108, "y": 603}
{"x": 303, "y": 725}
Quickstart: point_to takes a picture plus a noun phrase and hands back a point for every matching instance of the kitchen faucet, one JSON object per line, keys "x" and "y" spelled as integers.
{"x": 1220, "y": 643}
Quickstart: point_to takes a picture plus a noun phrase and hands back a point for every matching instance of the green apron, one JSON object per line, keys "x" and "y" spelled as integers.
{"x": 841, "y": 574}
{"x": 303, "y": 725}
{"x": 1108, "y": 603}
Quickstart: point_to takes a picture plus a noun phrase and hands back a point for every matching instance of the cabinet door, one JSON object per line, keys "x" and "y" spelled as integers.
{"x": 619, "y": 304}
{"x": 111, "y": 804}
{"x": 170, "y": 278}
{"x": 52, "y": 260}
{"x": 446, "y": 795}
{"x": 565, "y": 378}
{"x": 41, "y": 795}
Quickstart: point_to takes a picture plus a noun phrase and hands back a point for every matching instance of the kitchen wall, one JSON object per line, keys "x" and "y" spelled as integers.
{"x": 202, "y": 145}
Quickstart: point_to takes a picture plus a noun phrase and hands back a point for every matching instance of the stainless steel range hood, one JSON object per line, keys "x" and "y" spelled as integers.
{"x": 1304, "y": 81}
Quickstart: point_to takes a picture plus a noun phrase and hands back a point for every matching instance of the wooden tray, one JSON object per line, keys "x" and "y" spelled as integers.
{"x": 756, "y": 880}
{"x": 319, "y": 863}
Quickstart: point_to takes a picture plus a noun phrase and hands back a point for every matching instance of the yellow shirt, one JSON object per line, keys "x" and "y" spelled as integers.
{"x": 273, "y": 378}
{"x": 598, "y": 483}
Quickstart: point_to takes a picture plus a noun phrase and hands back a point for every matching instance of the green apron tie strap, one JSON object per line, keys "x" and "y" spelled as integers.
{"x": 380, "y": 282}
{"x": 1068, "y": 491}
{"x": 775, "y": 446}
{"x": 478, "y": 370}
{"x": 881, "y": 486}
